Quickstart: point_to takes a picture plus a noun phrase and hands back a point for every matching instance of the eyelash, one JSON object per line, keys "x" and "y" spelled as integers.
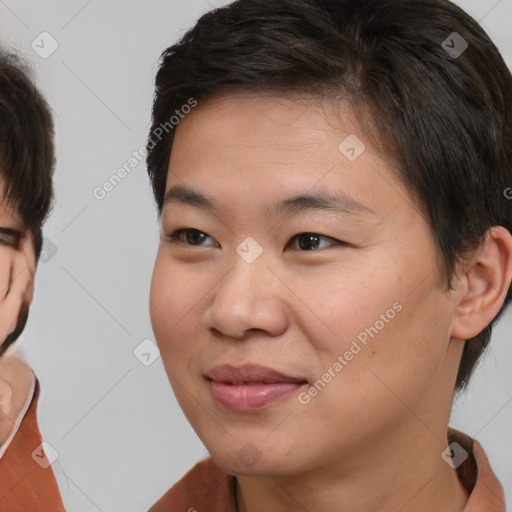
{"x": 174, "y": 237}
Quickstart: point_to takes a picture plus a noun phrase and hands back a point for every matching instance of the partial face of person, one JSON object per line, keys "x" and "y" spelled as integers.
{"x": 296, "y": 297}
{"x": 17, "y": 267}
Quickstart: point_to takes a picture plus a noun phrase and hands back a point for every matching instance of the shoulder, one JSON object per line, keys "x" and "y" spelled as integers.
{"x": 204, "y": 487}
{"x": 26, "y": 480}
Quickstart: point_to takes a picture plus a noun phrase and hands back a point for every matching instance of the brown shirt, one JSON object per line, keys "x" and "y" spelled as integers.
{"x": 27, "y": 485}
{"x": 207, "y": 487}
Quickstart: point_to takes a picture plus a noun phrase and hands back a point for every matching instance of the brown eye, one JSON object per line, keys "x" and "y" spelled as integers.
{"x": 189, "y": 236}
{"x": 194, "y": 237}
{"x": 311, "y": 241}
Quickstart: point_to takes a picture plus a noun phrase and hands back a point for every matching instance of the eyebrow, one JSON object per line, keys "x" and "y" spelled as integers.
{"x": 10, "y": 236}
{"x": 333, "y": 202}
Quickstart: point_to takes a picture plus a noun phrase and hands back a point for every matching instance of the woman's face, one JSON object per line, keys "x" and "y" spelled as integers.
{"x": 307, "y": 269}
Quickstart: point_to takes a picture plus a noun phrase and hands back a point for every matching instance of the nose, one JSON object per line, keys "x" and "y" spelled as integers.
{"x": 249, "y": 297}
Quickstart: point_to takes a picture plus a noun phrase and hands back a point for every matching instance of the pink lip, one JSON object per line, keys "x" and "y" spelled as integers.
{"x": 250, "y": 387}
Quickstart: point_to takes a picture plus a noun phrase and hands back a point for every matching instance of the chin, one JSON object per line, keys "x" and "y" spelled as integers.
{"x": 231, "y": 464}
{"x": 251, "y": 458}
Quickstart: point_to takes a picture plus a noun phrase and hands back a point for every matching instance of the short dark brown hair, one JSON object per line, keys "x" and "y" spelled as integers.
{"x": 26, "y": 146}
{"x": 444, "y": 118}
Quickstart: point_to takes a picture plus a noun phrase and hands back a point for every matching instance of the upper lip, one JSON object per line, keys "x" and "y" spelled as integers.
{"x": 227, "y": 373}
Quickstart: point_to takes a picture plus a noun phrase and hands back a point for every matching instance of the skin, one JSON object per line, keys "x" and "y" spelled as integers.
{"x": 16, "y": 379}
{"x": 372, "y": 438}
{"x": 17, "y": 269}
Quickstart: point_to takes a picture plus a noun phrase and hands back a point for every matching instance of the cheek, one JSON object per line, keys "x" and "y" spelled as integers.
{"x": 171, "y": 298}
{"x": 158, "y": 299}
{"x": 346, "y": 305}
{"x": 175, "y": 299}
{"x": 378, "y": 321}
{"x": 402, "y": 351}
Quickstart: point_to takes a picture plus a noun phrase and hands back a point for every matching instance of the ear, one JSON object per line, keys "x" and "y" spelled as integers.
{"x": 483, "y": 284}
{"x": 17, "y": 271}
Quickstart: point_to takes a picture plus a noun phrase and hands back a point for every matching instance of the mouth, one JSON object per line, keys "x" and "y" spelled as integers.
{"x": 250, "y": 387}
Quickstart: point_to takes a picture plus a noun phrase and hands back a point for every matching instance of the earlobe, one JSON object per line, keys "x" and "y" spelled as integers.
{"x": 487, "y": 277}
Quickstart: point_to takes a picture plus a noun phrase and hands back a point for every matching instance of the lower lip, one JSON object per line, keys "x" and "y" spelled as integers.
{"x": 251, "y": 397}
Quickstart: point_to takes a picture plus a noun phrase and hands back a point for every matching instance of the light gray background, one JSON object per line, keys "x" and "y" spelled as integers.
{"x": 121, "y": 437}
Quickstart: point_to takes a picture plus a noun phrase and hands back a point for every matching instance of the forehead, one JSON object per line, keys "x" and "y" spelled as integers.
{"x": 270, "y": 146}
{"x": 260, "y": 116}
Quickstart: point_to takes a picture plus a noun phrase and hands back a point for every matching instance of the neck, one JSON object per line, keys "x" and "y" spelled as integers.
{"x": 392, "y": 477}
